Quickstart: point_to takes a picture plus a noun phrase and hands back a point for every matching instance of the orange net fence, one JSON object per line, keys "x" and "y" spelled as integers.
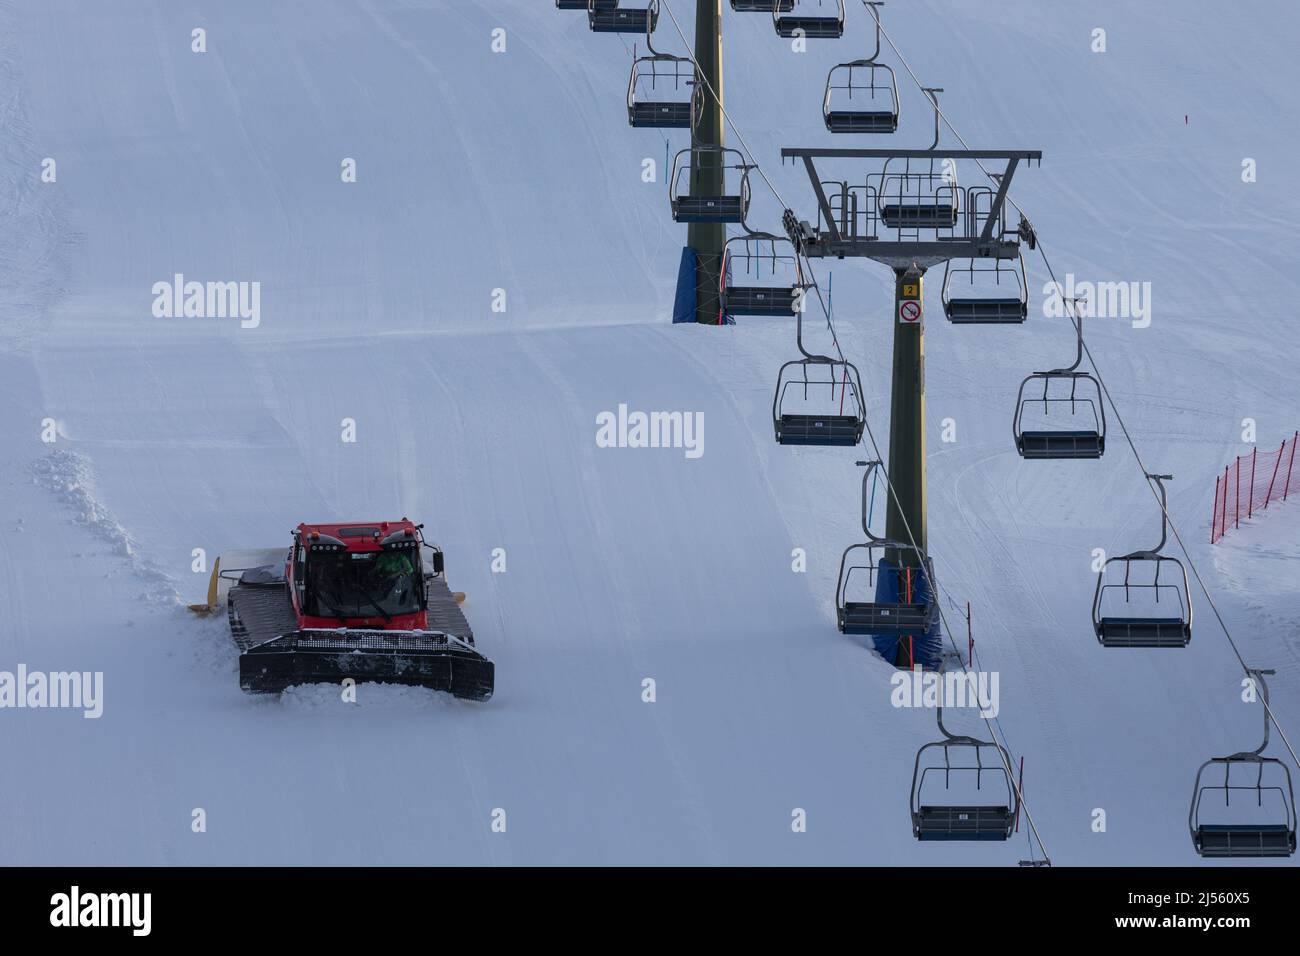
{"x": 1250, "y": 483}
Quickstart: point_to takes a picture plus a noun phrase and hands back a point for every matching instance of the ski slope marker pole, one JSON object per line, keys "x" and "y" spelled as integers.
{"x": 1269, "y": 494}
{"x": 1289, "y": 464}
{"x": 1250, "y": 500}
{"x": 970, "y": 640}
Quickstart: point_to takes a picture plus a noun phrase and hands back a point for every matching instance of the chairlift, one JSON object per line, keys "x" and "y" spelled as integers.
{"x": 1072, "y": 423}
{"x": 1150, "y": 614}
{"x": 693, "y": 201}
{"x": 606, "y": 17}
{"x": 814, "y": 19}
{"x": 997, "y": 297}
{"x": 818, "y": 400}
{"x": 1262, "y": 826}
{"x": 880, "y": 567}
{"x": 663, "y": 91}
{"x": 752, "y": 258}
{"x": 962, "y": 790}
{"x": 924, "y": 193}
{"x": 862, "y": 96}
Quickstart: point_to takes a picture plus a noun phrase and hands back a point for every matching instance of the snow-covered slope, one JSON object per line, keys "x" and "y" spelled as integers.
{"x": 515, "y": 171}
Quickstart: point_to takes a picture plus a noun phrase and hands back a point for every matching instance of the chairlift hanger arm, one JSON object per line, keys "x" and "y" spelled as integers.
{"x": 873, "y": 7}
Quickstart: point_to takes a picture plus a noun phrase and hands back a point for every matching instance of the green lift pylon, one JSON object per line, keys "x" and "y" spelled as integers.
{"x": 708, "y": 238}
{"x": 906, "y": 516}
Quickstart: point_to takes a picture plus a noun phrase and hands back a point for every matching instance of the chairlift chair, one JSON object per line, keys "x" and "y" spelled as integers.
{"x": 688, "y": 205}
{"x": 605, "y": 17}
{"x": 1073, "y": 423}
{"x": 1257, "y": 833}
{"x": 746, "y": 258}
{"x": 818, "y": 399}
{"x": 854, "y": 106}
{"x": 825, "y": 383}
{"x": 585, "y": 4}
{"x": 814, "y": 19}
{"x": 762, "y": 6}
{"x": 916, "y": 611}
{"x": 662, "y": 91}
{"x": 921, "y": 194}
{"x": 1006, "y": 302}
{"x": 1170, "y": 624}
{"x": 969, "y": 799}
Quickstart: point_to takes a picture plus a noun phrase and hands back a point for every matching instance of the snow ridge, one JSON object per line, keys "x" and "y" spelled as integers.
{"x": 69, "y": 475}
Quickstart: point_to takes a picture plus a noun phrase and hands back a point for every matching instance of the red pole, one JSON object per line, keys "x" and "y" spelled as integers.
{"x": 1236, "y": 520}
{"x": 1269, "y": 494}
{"x": 1223, "y": 523}
{"x": 1288, "y": 467}
{"x": 1214, "y": 512}
{"x": 1250, "y": 498}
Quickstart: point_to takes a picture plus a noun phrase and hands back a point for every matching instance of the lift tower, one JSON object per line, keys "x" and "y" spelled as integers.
{"x": 910, "y": 213}
{"x": 707, "y": 239}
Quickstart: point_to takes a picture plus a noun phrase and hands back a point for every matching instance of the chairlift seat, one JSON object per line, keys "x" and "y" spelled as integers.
{"x": 583, "y": 5}
{"x": 1220, "y": 840}
{"x": 761, "y": 6}
{"x": 885, "y": 620}
{"x": 862, "y": 121}
{"x": 927, "y": 215}
{"x": 759, "y": 300}
{"x": 963, "y": 823}
{"x": 621, "y": 20}
{"x": 1061, "y": 444}
{"x": 820, "y": 430}
{"x": 662, "y": 115}
{"x": 989, "y": 311}
{"x": 709, "y": 209}
{"x": 1143, "y": 632}
{"x": 814, "y": 28}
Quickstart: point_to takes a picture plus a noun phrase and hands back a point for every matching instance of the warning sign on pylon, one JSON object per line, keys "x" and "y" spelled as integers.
{"x": 909, "y": 312}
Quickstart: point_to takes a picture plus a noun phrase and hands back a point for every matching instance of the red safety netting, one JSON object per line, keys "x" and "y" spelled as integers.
{"x": 1250, "y": 483}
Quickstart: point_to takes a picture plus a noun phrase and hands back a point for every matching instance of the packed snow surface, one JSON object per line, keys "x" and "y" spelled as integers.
{"x": 512, "y": 179}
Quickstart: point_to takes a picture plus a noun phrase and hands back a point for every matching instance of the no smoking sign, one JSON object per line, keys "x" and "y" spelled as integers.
{"x": 909, "y": 312}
